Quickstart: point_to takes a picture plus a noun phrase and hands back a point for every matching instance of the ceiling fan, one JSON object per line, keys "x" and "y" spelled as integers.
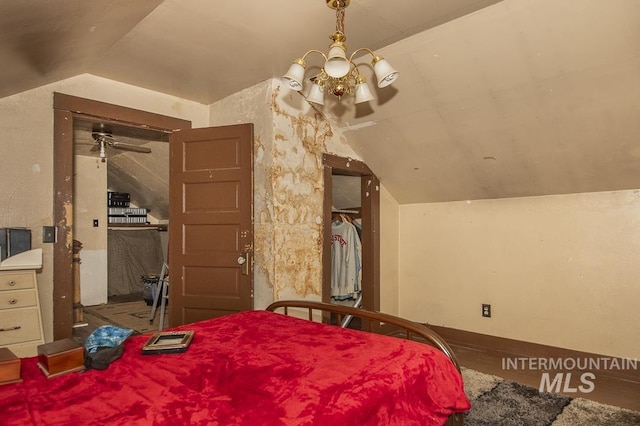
{"x": 106, "y": 139}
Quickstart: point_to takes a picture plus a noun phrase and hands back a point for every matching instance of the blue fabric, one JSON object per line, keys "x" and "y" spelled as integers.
{"x": 106, "y": 336}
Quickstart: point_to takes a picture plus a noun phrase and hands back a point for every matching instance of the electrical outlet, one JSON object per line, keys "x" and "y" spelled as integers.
{"x": 486, "y": 310}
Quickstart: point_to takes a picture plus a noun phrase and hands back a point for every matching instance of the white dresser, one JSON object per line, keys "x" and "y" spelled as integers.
{"x": 20, "y": 317}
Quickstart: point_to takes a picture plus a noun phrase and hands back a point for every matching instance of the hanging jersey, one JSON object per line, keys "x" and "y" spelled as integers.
{"x": 346, "y": 251}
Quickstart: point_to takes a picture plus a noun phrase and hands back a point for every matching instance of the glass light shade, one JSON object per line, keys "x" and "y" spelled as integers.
{"x": 363, "y": 93}
{"x": 385, "y": 73}
{"x": 337, "y": 64}
{"x": 293, "y": 78}
{"x": 316, "y": 94}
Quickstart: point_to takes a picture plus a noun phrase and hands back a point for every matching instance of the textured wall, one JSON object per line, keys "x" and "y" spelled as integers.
{"x": 557, "y": 270}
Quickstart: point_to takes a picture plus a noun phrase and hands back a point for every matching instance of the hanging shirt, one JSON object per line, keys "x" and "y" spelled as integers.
{"x": 346, "y": 252}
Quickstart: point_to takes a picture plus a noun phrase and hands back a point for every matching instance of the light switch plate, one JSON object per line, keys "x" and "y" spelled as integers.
{"x": 48, "y": 234}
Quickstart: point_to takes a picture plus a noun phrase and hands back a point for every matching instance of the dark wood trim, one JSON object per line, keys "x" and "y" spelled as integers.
{"x": 63, "y": 220}
{"x": 66, "y": 109}
{"x": 370, "y": 211}
{"x": 510, "y": 348}
{"x": 370, "y": 189}
{"x": 115, "y": 113}
{"x": 326, "y": 235}
{"x": 346, "y": 166}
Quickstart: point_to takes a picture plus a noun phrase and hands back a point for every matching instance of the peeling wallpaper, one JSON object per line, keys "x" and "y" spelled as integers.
{"x": 290, "y": 138}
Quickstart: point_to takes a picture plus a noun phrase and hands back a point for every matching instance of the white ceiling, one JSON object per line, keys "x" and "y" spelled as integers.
{"x": 495, "y": 98}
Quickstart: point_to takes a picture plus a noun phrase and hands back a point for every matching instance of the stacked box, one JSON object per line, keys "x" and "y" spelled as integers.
{"x": 9, "y": 367}
{"x": 60, "y": 357}
{"x": 127, "y": 215}
{"x": 118, "y": 199}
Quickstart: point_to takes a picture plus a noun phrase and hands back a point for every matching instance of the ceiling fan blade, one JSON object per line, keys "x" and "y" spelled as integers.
{"x": 128, "y": 147}
{"x": 114, "y": 143}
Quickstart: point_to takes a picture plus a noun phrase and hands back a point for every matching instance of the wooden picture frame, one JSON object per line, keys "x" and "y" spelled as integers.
{"x": 166, "y": 342}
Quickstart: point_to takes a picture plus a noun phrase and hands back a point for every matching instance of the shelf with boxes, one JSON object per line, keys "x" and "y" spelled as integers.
{"x": 120, "y": 212}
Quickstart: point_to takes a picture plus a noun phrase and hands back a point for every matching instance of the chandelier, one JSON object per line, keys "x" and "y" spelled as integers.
{"x": 339, "y": 76}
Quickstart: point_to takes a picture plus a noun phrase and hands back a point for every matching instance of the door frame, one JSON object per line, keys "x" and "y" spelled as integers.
{"x": 370, "y": 211}
{"x": 66, "y": 109}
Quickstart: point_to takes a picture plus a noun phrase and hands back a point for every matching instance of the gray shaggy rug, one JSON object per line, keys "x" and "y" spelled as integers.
{"x": 499, "y": 402}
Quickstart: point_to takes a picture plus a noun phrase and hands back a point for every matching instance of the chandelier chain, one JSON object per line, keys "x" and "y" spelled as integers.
{"x": 339, "y": 17}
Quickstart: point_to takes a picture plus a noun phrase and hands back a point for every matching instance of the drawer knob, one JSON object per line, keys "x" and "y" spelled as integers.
{"x": 12, "y": 283}
{"x": 17, "y": 327}
{"x": 13, "y": 301}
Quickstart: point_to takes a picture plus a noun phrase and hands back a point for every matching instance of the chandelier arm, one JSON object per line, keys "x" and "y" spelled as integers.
{"x": 308, "y": 52}
{"x": 355, "y": 72}
{"x": 365, "y": 49}
{"x": 340, "y": 75}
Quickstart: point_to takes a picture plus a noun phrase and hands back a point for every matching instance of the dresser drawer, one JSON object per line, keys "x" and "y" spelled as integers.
{"x": 19, "y": 325}
{"x": 17, "y": 299}
{"x": 17, "y": 280}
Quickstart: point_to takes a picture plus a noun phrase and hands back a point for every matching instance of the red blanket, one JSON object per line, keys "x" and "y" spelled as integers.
{"x": 251, "y": 368}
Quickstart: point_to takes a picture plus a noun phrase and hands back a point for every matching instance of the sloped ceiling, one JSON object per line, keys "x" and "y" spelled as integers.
{"x": 495, "y": 99}
{"x": 145, "y": 176}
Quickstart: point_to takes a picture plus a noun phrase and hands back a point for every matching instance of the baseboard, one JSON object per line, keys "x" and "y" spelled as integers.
{"x": 512, "y": 349}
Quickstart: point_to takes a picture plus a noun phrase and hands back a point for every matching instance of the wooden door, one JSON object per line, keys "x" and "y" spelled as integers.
{"x": 210, "y": 223}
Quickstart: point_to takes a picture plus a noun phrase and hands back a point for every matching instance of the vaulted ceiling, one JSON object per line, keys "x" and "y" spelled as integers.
{"x": 495, "y": 99}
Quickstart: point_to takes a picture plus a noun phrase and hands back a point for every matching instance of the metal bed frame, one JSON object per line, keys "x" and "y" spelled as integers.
{"x": 373, "y": 322}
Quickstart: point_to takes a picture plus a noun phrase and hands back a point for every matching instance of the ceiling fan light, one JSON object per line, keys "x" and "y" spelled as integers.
{"x": 363, "y": 92}
{"x": 385, "y": 73}
{"x": 316, "y": 94}
{"x": 293, "y": 78}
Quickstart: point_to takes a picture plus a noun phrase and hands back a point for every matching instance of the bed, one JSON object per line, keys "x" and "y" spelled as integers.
{"x": 260, "y": 368}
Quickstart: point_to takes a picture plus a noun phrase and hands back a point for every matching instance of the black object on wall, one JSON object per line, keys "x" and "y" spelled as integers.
{"x": 14, "y": 241}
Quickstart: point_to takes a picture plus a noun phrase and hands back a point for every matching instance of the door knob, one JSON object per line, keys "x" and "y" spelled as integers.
{"x": 242, "y": 260}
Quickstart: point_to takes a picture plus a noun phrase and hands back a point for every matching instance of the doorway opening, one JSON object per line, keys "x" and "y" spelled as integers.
{"x": 69, "y": 113}
{"x": 369, "y": 212}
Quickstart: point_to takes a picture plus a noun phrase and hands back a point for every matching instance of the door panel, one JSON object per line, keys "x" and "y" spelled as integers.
{"x": 211, "y": 222}
{"x": 211, "y": 196}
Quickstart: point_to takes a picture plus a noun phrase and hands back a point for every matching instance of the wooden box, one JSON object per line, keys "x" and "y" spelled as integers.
{"x": 9, "y": 367}
{"x": 60, "y": 357}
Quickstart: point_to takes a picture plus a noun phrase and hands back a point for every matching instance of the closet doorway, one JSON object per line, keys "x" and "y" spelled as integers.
{"x": 369, "y": 212}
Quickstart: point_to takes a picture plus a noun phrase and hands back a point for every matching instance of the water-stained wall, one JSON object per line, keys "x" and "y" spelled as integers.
{"x": 290, "y": 138}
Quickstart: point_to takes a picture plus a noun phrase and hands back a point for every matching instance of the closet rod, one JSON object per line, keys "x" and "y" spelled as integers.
{"x": 345, "y": 211}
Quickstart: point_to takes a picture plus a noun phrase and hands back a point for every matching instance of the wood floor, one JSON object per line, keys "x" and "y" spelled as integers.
{"x": 607, "y": 390}
{"x": 92, "y": 322}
